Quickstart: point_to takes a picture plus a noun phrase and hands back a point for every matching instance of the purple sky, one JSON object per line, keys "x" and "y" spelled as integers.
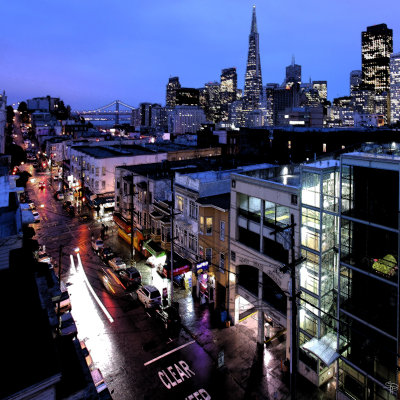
{"x": 90, "y": 53}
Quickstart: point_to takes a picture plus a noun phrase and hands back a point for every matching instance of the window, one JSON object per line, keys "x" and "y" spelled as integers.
{"x": 96, "y": 184}
{"x": 193, "y": 210}
{"x": 222, "y": 231}
{"x": 209, "y": 222}
{"x": 193, "y": 242}
{"x": 202, "y": 225}
{"x": 118, "y": 184}
{"x": 92, "y": 169}
{"x": 222, "y": 263}
{"x": 97, "y": 171}
{"x": 179, "y": 203}
{"x": 209, "y": 255}
{"x": 103, "y": 171}
{"x": 103, "y": 184}
{"x": 201, "y": 252}
{"x": 233, "y": 256}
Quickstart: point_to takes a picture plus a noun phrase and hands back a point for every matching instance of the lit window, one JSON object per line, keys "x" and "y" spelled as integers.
{"x": 209, "y": 222}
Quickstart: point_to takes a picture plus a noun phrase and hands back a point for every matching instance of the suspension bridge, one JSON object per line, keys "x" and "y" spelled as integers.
{"x": 116, "y": 111}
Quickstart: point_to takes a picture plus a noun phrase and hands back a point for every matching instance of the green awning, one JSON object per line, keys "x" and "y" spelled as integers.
{"x": 154, "y": 248}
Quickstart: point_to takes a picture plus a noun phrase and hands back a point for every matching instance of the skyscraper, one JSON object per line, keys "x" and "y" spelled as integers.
{"x": 228, "y": 86}
{"x": 253, "y": 80}
{"x": 355, "y": 81}
{"x": 228, "y": 90}
{"x": 172, "y": 86}
{"x": 377, "y": 46}
{"x": 395, "y": 88}
{"x": 293, "y": 73}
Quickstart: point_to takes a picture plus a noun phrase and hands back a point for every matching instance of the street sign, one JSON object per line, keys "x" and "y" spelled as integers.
{"x": 221, "y": 359}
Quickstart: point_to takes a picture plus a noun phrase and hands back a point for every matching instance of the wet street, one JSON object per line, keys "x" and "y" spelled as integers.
{"x": 132, "y": 349}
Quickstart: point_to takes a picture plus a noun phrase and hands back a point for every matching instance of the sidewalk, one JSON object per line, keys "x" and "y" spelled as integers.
{"x": 259, "y": 377}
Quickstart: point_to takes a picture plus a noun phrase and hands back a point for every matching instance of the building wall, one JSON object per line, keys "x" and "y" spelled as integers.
{"x": 218, "y": 242}
{"x": 100, "y": 178}
{"x": 248, "y": 249}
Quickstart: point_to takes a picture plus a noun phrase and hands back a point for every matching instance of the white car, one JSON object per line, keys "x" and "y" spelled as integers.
{"x": 117, "y": 263}
{"x": 149, "y": 296}
{"x": 36, "y": 216}
{"x": 60, "y": 196}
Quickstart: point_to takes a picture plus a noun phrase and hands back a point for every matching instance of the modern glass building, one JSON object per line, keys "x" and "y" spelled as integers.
{"x": 394, "y": 88}
{"x": 172, "y": 86}
{"x": 318, "y": 272}
{"x": 368, "y": 285}
{"x": 377, "y": 46}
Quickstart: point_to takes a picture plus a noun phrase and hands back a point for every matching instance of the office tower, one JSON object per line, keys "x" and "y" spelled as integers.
{"x": 185, "y": 119}
{"x": 355, "y": 81}
{"x": 269, "y": 100}
{"x": 253, "y": 80}
{"x": 293, "y": 73}
{"x": 394, "y": 88}
{"x": 322, "y": 88}
{"x": 377, "y": 46}
{"x": 187, "y": 97}
{"x": 228, "y": 91}
{"x": 172, "y": 86}
{"x": 212, "y": 101}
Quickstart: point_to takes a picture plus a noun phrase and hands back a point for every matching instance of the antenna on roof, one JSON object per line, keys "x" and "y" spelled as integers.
{"x": 293, "y": 61}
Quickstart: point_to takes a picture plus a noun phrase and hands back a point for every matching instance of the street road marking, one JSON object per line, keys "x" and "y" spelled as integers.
{"x": 168, "y": 353}
{"x": 89, "y": 286}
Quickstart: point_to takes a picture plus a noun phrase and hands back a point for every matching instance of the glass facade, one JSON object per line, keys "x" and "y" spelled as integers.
{"x": 318, "y": 272}
{"x": 368, "y": 300}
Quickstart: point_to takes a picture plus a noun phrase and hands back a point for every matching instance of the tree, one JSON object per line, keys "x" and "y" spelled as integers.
{"x": 23, "y": 108}
{"x": 10, "y": 115}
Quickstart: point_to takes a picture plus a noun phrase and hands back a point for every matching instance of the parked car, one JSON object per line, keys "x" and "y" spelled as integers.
{"x": 42, "y": 256}
{"x": 67, "y": 325}
{"x": 36, "y": 216}
{"x": 97, "y": 244}
{"x": 106, "y": 253}
{"x": 117, "y": 263}
{"x": 65, "y": 302}
{"x": 32, "y": 205}
{"x": 130, "y": 276}
{"x": 59, "y": 195}
{"x": 66, "y": 204}
{"x": 170, "y": 317}
{"x": 149, "y": 296}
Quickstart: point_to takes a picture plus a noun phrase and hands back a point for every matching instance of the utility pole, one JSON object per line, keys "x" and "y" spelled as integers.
{"x": 132, "y": 248}
{"x": 172, "y": 237}
{"x": 293, "y": 345}
{"x": 59, "y": 282}
{"x": 293, "y": 299}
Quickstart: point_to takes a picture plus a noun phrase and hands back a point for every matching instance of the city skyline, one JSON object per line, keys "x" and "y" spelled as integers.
{"x": 90, "y": 56}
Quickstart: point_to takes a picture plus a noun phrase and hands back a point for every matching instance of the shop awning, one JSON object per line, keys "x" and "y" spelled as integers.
{"x": 154, "y": 248}
{"x": 122, "y": 223}
{"x": 324, "y": 348}
{"x": 177, "y": 271}
{"x": 103, "y": 200}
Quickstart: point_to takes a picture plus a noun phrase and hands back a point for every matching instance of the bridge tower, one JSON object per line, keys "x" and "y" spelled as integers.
{"x": 117, "y": 112}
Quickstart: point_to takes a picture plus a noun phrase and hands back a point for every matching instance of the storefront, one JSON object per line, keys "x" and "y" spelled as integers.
{"x": 205, "y": 283}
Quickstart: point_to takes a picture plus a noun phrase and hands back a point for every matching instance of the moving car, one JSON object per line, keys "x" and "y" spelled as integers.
{"x": 130, "y": 276}
{"x": 117, "y": 263}
{"x": 42, "y": 185}
{"x": 149, "y": 296}
{"x": 97, "y": 244}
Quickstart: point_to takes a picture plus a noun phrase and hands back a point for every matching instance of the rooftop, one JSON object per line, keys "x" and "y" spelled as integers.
{"x": 113, "y": 151}
{"x": 219, "y": 201}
